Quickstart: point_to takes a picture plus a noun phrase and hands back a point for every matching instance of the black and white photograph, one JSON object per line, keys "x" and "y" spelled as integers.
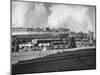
{"x": 52, "y": 37}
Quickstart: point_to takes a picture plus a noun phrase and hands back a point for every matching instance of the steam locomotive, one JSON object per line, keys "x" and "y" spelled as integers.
{"x": 47, "y": 42}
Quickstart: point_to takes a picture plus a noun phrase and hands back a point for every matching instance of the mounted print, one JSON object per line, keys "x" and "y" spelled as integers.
{"x": 52, "y": 37}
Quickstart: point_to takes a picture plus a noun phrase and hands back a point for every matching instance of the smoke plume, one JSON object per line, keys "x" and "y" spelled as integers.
{"x": 74, "y": 17}
{"x": 26, "y": 14}
{"x": 37, "y": 16}
{"x": 19, "y": 10}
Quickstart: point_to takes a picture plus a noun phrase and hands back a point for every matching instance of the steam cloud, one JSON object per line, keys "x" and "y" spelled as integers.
{"x": 18, "y": 13}
{"x": 26, "y": 14}
{"x": 37, "y": 16}
{"x": 74, "y": 17}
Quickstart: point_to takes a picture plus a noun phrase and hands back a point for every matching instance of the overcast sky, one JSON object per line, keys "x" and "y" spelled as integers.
{"x": 31, "y": 14}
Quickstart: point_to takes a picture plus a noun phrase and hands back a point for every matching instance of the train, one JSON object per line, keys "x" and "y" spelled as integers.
{"x": 46, "y": 42}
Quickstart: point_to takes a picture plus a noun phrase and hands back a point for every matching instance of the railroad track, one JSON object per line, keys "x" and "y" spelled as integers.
{"x": 71, "y": 60}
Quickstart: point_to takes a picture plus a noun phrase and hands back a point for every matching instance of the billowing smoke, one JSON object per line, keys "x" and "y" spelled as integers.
{"x": 26, "y": 14}
{"x": 74, "y": 17}
{"x": 37, "y": 16}
{"x": 19, "y": 10}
